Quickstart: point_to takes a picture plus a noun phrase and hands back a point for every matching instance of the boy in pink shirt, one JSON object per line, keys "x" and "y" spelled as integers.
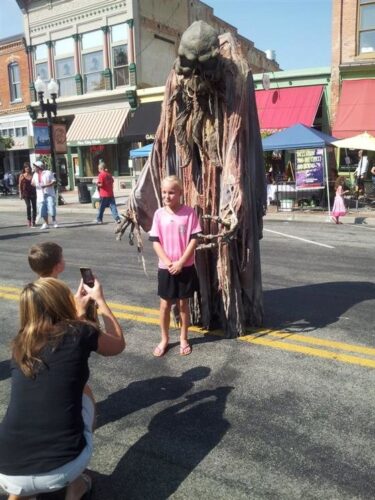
{"x": 174, "y": 235}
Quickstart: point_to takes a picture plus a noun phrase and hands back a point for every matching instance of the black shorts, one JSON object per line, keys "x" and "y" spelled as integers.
{"x": 177, "y": 286}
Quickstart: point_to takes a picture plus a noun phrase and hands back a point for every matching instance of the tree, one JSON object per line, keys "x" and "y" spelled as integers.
{"x": 6, "y": 142}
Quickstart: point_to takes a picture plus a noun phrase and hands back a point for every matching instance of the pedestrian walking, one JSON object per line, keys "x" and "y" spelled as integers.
{"x": 339, "y": 209}
{"x": 361, "y": 171}
{"x": 174, "y": 235}
{"x": 373, "y": 178}
{"x": 6, "y": 183}
{"x": 44, "y": 182}
{"x": 28, "y": 193}
{"x": 107, "y": 199}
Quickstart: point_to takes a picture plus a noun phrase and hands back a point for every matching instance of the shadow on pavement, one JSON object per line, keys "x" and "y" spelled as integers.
{"x": 19, "y": 235}
{"x": 4, "y": 369}
{"x": 311, "y": 307}
{"x": 178, "y": 439}
{"x": 145, "y": 393}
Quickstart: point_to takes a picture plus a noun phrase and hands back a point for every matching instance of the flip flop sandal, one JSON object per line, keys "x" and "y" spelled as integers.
{"x": 186, "y": 350}
{"x": 158, "y": 353}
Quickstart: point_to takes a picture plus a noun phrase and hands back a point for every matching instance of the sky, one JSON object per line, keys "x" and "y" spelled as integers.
{"x": 299, "y": 31}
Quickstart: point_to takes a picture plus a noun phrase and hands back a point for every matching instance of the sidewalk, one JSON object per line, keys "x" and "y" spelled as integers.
{"x": 361, "y": 216}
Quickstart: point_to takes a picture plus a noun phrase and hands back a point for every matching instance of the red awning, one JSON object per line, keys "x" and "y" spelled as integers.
{"x": 356, "y": 110}
{"x": 281, "y": 108}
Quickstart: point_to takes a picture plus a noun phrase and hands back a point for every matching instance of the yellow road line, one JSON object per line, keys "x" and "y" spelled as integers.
{"x": 316, "y": 341}
{"x": 9, "y": 296}
{"x": 10, "y": 289}
{"x": 258, "y": 337}
{"x": 310, "y": 351}
{"x": 113, "y": 305}
{"x": 145, "y": 310}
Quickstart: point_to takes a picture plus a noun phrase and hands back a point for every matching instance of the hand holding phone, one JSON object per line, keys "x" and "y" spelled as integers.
{"x": 87, "y": 276}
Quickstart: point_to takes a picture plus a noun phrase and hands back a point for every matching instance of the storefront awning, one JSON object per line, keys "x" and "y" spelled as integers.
{"x": 282, "y": 108}
{"x": 356, "y": 110}
{"x": 97, "y": 127}
{"x": 144, "y": 122}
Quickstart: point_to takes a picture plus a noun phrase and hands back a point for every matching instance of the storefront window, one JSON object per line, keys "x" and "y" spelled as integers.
{"x": 120, "y": 68}
{"x": 366, "y": 26}
{"x": 123, "y": 158}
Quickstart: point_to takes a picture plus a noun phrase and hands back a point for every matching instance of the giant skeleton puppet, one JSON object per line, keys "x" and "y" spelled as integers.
{"x": 209, "y": 136}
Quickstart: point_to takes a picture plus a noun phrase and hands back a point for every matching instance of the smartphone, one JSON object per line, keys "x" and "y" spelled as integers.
{"x": 87, "y": 276}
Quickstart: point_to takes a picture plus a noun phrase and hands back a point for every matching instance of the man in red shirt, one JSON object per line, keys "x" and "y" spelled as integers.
{"x": 107, "y": 199}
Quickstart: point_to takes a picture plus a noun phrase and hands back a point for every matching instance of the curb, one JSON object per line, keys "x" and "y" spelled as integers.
{"x": 360, "y": 218}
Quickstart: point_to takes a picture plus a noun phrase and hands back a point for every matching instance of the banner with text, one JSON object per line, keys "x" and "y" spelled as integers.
{"x": 309, "y": 169}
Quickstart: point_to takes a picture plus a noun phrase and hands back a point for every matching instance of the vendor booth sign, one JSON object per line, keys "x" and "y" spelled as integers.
{"x": 42, "y": 143}
{"x": 309, "y": 169}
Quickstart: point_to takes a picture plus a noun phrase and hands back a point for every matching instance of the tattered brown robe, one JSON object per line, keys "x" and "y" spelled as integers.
{"x": 212, "y": 141}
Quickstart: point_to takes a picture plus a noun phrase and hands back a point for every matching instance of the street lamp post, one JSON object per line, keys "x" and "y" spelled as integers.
{"x": 49, "y": 108}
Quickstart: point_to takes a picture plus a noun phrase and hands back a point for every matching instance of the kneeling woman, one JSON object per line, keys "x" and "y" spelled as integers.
{"x": 46, "y": 435}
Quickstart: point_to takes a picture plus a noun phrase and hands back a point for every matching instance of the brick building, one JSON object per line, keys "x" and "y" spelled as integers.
{"x": 14, "y": 98}
{"x": 353, "y": 67}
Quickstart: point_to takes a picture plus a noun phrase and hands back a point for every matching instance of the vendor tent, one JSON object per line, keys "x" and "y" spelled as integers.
{"x": 300, "y": 137}
{"x": 297, "y": 137}
{"x": 142, "y": 152}
{"x": 361, "y": 141}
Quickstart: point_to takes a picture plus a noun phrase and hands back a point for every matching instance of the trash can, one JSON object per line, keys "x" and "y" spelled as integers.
{"x": 83, "y": 192}
{"x": 95, "y": 200}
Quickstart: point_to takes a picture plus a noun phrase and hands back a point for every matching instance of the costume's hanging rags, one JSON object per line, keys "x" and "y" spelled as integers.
{"x": 209, "y": 136}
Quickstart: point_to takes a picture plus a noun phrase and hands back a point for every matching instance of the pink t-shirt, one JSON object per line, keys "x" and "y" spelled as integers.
{"x": 174, "y": 231}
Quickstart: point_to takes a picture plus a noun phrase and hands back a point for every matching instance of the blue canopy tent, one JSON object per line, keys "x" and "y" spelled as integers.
{"x": 300, "y": 137}
{"x": 142, "y": 152}
{"x": 297, "y": 137}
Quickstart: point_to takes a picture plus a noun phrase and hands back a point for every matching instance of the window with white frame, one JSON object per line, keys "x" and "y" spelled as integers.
{"x": 41, "y": 62}
{"x": 14, "y": 82}
{"x": 92, "y": 61}
{"x": 21, "y": 131}
{"x": 366, "y": 34}
{"x": 64, "y": 66}
{"x": 119, "y": 54}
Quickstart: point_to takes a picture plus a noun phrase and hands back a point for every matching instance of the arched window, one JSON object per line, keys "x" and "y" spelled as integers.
{"x": 14, "y": 82}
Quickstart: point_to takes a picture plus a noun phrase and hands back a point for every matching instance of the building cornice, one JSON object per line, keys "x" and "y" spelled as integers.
{"x": 83, "y": 14}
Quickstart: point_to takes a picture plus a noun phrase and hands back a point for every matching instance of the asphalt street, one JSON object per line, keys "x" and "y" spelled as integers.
{"x": 286, "y": 412}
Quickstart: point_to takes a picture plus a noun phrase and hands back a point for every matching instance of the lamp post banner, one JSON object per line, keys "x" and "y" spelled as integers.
{"x": 59, "y": 138}
{"x": 42, "y": 143}
{"x": 309, "y": 169}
